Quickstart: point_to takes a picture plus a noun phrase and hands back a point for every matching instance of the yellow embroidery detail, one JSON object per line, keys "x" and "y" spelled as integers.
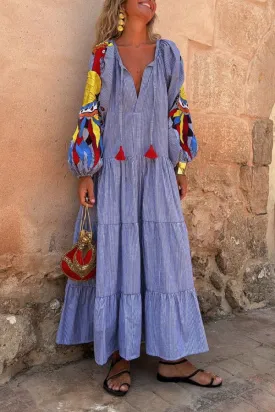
{"x": 96, "y": 130}
{"x": 75, "y": 134}
{"x": 183, "y": 93}
{"x": 92, "y": 88}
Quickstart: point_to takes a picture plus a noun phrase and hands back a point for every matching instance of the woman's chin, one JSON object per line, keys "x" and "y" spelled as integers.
{"x": 146, "y": 12}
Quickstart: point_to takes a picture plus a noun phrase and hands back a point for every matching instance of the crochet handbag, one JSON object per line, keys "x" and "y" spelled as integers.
{"x": 79, "y": 263}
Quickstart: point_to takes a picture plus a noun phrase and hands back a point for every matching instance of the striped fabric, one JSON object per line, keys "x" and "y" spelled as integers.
{"x": 144, "y": 286}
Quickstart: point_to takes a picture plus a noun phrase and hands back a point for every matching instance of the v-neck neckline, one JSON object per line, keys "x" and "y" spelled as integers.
{"x": 151, "y": 64}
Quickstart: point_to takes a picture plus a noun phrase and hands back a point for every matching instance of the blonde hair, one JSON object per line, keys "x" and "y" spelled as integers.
{"x": 106, "y": 26}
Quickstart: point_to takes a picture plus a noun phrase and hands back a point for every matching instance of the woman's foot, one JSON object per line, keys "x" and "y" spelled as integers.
{"x": 183, "y": 368}
{"x": 121, "y": 382}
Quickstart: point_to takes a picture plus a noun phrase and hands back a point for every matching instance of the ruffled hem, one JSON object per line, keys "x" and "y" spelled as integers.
{"x": 76, "y": 324}
{"x": 174, "y": 327}
{"x": 171, "y": 321}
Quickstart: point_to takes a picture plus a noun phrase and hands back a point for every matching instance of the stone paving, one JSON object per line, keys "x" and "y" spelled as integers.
{"x": 242, "y": 352}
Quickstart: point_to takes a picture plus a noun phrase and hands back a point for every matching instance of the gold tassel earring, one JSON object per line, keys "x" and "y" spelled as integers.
{"x": 121, "y": 21}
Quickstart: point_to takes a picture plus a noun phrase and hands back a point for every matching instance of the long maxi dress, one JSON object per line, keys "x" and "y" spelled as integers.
{"x": 144, "y": 288}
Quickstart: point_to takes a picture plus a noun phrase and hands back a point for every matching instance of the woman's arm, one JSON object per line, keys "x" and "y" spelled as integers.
{"x": 182, "y": 123}
{"x": 85, "y": 152}
{"x": 182, "y": 139}
{"x": 86, "y": 148}
{"x": 183, "y": 145}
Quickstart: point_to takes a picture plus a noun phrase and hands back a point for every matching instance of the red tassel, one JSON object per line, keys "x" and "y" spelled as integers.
{"x": 120, "y": 155}
{"x": 151, "y": 154}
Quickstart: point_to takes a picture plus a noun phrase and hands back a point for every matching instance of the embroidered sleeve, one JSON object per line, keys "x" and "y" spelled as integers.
{"x": 85, "y": 152}
{"x": 180, "y": 121}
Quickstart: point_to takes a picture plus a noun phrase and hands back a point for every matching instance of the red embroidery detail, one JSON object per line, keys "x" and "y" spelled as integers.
{"x": 96, "y": 149}
{"x": 120, "y": 155}
{"x": 151, "y": 154}
{"x": 172, "y": 112}
{"x": 75, "y": 156}
{"x": 99, "y": 52}
{"x": 185, "y": 129}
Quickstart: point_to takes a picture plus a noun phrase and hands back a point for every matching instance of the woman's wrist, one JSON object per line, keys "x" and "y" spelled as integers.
{"x": 85, "y": 177}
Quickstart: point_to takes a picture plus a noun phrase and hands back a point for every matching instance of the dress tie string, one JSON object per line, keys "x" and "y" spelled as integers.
{"x": 121, "y": 155}
{"x": 151, "y": 153}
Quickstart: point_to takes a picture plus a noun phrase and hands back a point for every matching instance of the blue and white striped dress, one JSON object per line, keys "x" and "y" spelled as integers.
{"x": 144, "y": 287}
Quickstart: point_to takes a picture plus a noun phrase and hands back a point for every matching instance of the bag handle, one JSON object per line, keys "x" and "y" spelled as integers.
{"x": 85, "y": 217}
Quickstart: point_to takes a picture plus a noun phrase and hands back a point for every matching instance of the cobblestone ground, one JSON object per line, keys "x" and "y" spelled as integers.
{"x": 242, "y": 352}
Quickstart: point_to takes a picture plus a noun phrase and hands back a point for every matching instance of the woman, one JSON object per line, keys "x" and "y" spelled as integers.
{"x": 134, "y": 133}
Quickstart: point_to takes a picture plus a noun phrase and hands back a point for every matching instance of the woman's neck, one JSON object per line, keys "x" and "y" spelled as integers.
{"x": 134, "y": 34}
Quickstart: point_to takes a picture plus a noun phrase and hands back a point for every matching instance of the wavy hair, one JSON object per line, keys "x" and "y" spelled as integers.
{"x": 106, "y": 26}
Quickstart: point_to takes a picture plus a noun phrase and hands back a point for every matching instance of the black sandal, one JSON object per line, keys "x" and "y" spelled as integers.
{"x": 186, "y": 379}
{"x": 113, "y": 391}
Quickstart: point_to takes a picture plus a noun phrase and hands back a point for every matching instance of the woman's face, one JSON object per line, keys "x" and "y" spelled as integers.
{"x": 144, "y": 9}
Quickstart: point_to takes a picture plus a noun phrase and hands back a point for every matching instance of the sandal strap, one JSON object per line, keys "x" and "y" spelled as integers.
{"x": 194, "y": 373}
{"x": 118, "y": 374}
{"x": 173, "y": 363}
{"x": 212, "y": 381}
{"x": 201, "y": 370}
{"x": 113, "y": 363}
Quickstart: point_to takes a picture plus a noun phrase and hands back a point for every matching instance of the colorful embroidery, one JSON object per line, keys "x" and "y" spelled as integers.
{"x": 182, "y": 122}
{"x": 86, "y": 146}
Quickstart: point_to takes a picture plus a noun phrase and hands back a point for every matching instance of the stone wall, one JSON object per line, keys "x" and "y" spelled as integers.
{"x": 271, "y": 200}
{"x": 228, "y": 49}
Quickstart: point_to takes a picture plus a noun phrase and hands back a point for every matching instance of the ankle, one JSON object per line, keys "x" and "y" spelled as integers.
{"x": 172, "y": 362}
{"x": 116, "y": 358}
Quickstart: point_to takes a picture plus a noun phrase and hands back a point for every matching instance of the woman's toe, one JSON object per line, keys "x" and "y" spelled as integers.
{"x": 124, "y": 388}
{"x": 217, "y": 380}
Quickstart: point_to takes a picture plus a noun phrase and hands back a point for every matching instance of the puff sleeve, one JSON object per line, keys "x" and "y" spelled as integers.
{"x": 85, "y": 151}
{"x": 183, "y": 146}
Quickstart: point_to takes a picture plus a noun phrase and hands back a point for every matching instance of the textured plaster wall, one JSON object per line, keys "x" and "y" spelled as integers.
{"x": 271, "y": 199}
{"x": 228, "y": 49}
{"x": 45, "y": 50}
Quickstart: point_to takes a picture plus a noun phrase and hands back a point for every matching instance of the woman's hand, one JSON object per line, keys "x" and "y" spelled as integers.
{"x": 182, "y": 183}
{"x": 86, "y": 191}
